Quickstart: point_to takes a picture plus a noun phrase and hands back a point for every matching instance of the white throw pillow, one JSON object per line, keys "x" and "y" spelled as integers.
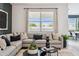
{"x": 2, "y": 43}
{"x": 16, "y": 33}
{"x": 24, "y": 36}
{"x": 56, "y": 36}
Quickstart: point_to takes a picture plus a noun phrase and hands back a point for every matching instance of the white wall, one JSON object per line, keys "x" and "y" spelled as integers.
{"x": 73, "y": 9}
{"x": 19, "y": 17}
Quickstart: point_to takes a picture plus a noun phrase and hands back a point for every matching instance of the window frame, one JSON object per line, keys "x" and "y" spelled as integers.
{"x": 77, "y": 20}
{"x": 55, "y": 21}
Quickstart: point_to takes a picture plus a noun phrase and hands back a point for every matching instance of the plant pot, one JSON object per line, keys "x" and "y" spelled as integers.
{"x": 64, "y": 43}
{"x": 32, "y": 51}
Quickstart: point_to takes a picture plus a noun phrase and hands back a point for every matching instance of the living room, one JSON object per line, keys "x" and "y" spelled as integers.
{"x": 38, "y": 29}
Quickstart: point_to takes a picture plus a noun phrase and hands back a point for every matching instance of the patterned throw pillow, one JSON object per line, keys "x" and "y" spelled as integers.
{"x": 6, "y": 40}
{"x": 24, "y": 36}
{"x": 2, "y": 44}
{"x": 55, "y": 36}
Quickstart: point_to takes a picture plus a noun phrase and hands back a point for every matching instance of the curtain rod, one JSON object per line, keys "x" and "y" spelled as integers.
{"x": 40, "y": 8}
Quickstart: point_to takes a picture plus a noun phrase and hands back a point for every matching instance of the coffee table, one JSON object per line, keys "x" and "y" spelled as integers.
{"x": 48, "y": 51}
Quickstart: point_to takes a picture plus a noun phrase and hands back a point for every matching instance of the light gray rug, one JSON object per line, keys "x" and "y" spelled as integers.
{"x": 62, "y": 52}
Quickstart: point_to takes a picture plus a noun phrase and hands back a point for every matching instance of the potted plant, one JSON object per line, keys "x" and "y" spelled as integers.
{"x": 32, "y": 49}
{"x": 65, "y": 37}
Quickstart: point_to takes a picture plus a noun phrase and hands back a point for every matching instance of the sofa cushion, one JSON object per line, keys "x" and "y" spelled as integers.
{"x": 55, "y": 36}
{"x": 7, "y": 51}
{"x": 55, "y": 41}
{"x": 6, "y": 40}
{"x": 2, "y": 44}
{"x": 27, "y": 41}
{"x": 15, "y": 38}
{"x": 16, "y": 43}
{"x": 40, "y": 41}
{"x": 30, "y": 35}
{"x": 15, "y": 34}
{"x": 24, "y": 36}
{"x": 37, "y": 37}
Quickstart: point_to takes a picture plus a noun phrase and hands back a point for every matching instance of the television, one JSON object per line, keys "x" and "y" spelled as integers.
{"x": 3, "y": 20}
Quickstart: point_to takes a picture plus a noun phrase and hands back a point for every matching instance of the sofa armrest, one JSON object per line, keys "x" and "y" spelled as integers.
{"x": 50, "y": 37}
{"x": 61, "y": 39}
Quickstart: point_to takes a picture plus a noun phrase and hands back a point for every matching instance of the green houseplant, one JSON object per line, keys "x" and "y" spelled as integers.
{"x": 33, "y": 49}
{"x": 65, "y": 38}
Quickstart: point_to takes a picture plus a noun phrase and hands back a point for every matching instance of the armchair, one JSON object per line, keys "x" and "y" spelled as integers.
{"x": 56, "y": 40}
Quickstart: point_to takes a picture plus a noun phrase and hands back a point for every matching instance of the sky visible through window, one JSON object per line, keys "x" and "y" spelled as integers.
{"x": 41, "y": 21}
{"x": 72, "y": 23}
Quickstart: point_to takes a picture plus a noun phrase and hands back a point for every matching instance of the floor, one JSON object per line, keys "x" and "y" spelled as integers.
{"x": 62, "y": 52}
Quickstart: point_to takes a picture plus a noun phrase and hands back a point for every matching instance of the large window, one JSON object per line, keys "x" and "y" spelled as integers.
{"x": 73, "y": 22}
{"x": 41, "y": 20}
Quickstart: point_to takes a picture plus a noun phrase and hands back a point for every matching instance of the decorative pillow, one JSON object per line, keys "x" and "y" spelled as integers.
{"x": 2, "y": 44}
{"x": 37, "y": 37}
{"x": 55, "y": 36}
{"x": 6, "y": 40}
{"x": 30, "y": 35}
{"x": 24, "y": 36}
{"x": 8, "y": 36}
{"x": 15, "y": 38}
{"x": 15, "y": 34}
{"x": 44, "y": 36}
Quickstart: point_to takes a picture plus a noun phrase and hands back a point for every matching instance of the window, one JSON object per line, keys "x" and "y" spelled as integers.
{"x": 41, "y": 20}
{"x": 73, "y": 22}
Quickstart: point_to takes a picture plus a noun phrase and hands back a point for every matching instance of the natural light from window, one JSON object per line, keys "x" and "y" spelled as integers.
{"x": 41, "y": 20}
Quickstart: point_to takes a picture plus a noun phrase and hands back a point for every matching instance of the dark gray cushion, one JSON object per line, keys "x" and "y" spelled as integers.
{"x": 37, "y": 37}
{"x": 6, "y": 40}
{"x": 15, "y": 38}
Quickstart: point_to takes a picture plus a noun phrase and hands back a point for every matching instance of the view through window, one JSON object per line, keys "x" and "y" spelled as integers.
{"x": 41, "y": 20}
{"x": 73, "y": 22}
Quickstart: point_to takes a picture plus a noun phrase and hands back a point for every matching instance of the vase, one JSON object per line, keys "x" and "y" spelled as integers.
{"x": 64, "y": 43}
{"x": 32, "y": 51}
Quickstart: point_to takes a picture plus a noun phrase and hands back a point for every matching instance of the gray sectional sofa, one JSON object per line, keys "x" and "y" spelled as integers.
{"x": 25, "y": 42}
{"x": 11, "y": 50}
{"x": 39, "y": 43}
{"x": 17, "y": 45}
